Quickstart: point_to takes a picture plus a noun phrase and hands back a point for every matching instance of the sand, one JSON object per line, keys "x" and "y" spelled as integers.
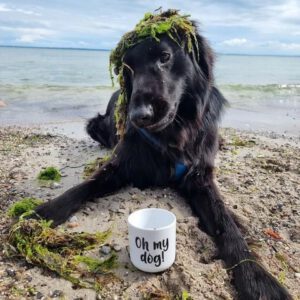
{"x": 258, "y": 175}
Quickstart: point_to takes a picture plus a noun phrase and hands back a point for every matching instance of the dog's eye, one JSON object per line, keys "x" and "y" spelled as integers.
{"x": 164, "y": 57}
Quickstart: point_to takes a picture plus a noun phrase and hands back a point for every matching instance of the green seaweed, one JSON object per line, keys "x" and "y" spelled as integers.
{"x": 284, "y": 267}
{"x": 61, "y": 251}
{"x": 238, "y": 142}
{"x": 23, "y": 206}
{"x": 185, "y": 295}
{"x": 178, "y": 27}
{"x": 49, "y": 174}
{"x": 93, "y": 165}
{"x": 94, "y": 265}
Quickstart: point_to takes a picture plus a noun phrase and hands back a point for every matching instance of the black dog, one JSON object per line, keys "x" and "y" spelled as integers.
{"x": 171, "y": 140}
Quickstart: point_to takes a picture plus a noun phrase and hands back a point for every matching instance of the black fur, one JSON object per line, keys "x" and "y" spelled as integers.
{"x": 175, "y": 99}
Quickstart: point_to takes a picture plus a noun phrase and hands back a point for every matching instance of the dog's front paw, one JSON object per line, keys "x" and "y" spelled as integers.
{"x": 53, "y": 211}
{"x": 255, "y": 283}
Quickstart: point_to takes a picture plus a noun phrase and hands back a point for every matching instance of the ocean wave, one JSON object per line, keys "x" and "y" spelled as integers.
{"x": 267, "y": 88}
{"x": 54, "y": 88}
{"x": 237, "y": 87}
{"x": 232, "y": 91}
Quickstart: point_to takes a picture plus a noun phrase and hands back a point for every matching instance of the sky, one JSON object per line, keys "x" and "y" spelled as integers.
{"x": 269, "y": 27}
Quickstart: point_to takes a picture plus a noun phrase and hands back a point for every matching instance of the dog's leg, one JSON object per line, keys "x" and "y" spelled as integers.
{"x": 251, "y": 280}
{"x": 107, "y": 180}
{"x": 99, "y": 131}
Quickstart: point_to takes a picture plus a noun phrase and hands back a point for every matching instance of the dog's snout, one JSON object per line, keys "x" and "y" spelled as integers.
{"x": 142, "y": 115}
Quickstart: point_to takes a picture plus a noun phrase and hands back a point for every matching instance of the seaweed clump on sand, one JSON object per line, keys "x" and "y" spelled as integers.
{"x": 61, "y": 251}
{"x": 49, "y": 174}
{"x": 178, "y": 27}
{"x": 23, "y": 206}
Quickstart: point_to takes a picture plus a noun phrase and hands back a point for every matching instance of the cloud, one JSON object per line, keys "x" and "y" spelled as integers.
{"x": 12, "y": 9}
{"x": 235, "y": 42}
{"x": 240, "y": 26}
{"x": 29, "y": 35}
{"x": 283, "y": 46}
{"x": 27, "y": 12}
{"x": 4, "y": 8}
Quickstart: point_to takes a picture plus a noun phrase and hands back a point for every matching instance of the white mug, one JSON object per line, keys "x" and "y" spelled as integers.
{"x": 152, "y": 239}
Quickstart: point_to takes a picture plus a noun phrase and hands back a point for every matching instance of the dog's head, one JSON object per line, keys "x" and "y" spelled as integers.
{"x": 158, "y": 72}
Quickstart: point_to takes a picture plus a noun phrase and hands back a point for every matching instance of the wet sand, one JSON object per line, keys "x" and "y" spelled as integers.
{"x": 258, "y": 175}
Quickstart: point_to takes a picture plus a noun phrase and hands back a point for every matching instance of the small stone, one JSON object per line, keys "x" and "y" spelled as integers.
{"x": 297, "y": 275}
{"x": 117, "y": 247}
{"x": 73, "y": 219}
{"x": 105, "y": 249}
{"x": 55, "y": 185}
{"x": 235, "y": 206}
{"x": 39, "y": 295}
{"x": 56, "y": 294}
{"x": 10, "y": 272}
{"x": 72, "y": 225}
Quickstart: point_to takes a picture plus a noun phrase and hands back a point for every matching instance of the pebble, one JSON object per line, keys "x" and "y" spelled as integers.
{"x": 105, "y": 249}
{"x": 56, "y": 294}
{"x": 297, "y": 275}
{"x": 73, "y": 219}
{"x": 117, "y": 247}
{"x": 55, "y": 185}
{"x": 39, "y": 295}
{"x": 72, "y": 225}
{"x": 10, "y": 272}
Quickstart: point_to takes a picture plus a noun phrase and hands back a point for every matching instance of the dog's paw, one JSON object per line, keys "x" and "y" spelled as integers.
{"x": 255, "y": 283}
{"x": 93, "y": 127}
{"x": 50, "y": 211}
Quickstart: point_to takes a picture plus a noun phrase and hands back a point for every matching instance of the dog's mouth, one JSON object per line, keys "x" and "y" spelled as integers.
{"x": 159, "y": 121}
{"x": 162, "y": 123}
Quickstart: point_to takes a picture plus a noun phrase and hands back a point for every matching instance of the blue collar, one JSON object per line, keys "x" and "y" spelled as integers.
{"x": 180, "y": 168}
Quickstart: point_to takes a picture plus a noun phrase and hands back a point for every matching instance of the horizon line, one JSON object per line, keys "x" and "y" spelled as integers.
{"x": 107, "y": 50}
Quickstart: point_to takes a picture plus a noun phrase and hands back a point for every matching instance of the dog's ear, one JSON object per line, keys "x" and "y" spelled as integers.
{"x": 202, "y": 54}
{"x": 127, "y": 84}
{"x": 204, "y": 57}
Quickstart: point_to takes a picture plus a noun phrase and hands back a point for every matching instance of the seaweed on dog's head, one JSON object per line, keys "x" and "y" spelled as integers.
{"x": 178, "y": 27}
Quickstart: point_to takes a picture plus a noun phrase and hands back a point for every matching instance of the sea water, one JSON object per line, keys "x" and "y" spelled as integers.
{"x": 49, "y": 85}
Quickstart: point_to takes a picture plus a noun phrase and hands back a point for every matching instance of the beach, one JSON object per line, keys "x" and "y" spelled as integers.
{"x": 258, "y": 175}
{"x": 42, "y": 120}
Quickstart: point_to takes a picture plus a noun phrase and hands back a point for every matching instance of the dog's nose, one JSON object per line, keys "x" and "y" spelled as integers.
{"x": 142, "y": 115}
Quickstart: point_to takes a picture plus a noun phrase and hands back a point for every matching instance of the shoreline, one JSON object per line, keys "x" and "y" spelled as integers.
{"x": 282, "y": 119}
{"x": 257, "y": 174}
{"x": 76, "y": 128}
